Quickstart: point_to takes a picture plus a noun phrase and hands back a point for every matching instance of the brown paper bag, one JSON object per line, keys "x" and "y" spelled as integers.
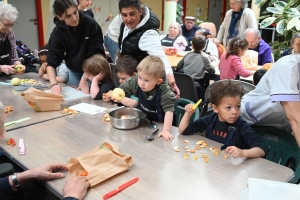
{"x": 42, "y": 101}
{"x": 101, "y": 163}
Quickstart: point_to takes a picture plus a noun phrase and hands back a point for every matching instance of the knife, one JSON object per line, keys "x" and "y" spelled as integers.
{"x": 22, "y": 146}
{"x": 121, "y": 187}
{"x": 17, "y": 121}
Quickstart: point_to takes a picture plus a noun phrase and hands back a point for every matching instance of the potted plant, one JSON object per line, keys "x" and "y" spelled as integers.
{"x": 286, "y": 17}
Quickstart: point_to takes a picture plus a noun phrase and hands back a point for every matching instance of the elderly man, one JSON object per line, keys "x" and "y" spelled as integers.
{"x": 188, "y": 28}
{"x": 257, "y": 44}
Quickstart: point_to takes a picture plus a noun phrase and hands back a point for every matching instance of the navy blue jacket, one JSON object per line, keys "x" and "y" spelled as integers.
{"x": 189, "y": 34}
{"x": 244, "y": 136}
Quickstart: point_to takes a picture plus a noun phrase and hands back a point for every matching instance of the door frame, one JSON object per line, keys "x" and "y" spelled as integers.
{"x": 39, "y": 16}
{"x": 223, "y": 10}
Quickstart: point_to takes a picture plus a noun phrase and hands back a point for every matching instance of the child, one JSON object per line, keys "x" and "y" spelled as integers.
{"x": 155, "y": 98}
{"x": 195, "y": 64}
{"x": 231, "y": 66}
{"x": 258, "y": 75}
{"x": 98, "y": 71}
{"x": 210, "y": 47}
{"x": 62, "y": 72}
{"x": 225, "y": 125}
{"x": 125, "y": 67}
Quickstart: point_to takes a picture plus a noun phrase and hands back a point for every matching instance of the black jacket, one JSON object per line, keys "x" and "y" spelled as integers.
{"x": 130, "y": 44}
{"x": 74, "y": 44}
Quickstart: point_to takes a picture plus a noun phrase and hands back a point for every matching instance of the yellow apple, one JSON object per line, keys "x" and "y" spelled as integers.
{"x": 118, "y": 94}
{"x": 15, "y": 81}
{"x": 19, "y": 68}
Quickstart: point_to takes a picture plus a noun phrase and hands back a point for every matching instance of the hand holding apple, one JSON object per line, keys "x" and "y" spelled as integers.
{"x": 20, "y": 69}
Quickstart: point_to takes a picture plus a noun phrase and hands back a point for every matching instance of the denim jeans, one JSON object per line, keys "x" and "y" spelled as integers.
{"x": 74, "y": 78}
{"x": 112, "y": 47}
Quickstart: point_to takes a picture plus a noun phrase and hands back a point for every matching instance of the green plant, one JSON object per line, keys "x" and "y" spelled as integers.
{"x": 179, "y": 13}
{"x": 286, "y": 16}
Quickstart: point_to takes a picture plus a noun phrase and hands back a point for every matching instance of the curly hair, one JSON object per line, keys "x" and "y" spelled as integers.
{"x": 8, "y": 12}
{"x": 225, "y": 88}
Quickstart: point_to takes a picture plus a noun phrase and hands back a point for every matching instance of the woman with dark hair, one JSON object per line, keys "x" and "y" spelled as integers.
{"x": 75, "y": 38}
{"x": 84, "y": 6}
{"x": 141, "y": 24}
{"x": 8, "y": 48}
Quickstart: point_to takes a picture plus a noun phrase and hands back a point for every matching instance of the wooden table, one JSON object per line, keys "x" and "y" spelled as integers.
{"x": 163, "y": 173}
{"x": 174, "y": 60}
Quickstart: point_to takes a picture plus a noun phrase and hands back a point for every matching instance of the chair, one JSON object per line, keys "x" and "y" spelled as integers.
{"x": 280, "y": 147}
{"x": 204, "y": 108}
{"x": 211, "y": 27}
{"x": 6, "y": 169}
{"x": 179, "y": 110}
{"x": 186, "y": 85}
{"x": 221, "y": 50}
{"x": 115, "y": 77}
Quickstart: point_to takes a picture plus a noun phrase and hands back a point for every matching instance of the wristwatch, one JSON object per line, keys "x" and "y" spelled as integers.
{"x": 15, "y": 181}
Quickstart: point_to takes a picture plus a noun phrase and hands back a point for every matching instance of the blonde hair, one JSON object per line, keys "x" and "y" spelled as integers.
{"x": 97, "y": 64}
{"x": 152, "y": 65}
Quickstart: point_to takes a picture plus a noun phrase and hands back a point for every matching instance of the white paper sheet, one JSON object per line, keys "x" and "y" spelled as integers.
{"x": 70, "y": 93}
{"x": 88, "y": 108}
{"x": 260, "y": 189}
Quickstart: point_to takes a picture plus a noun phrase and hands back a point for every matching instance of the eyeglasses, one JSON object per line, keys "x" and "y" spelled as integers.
{"x": 8, "y": 25}
{"x": 233, "y": 4}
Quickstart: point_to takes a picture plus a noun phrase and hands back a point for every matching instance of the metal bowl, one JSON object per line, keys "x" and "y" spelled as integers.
{"x": 133, "y": 118}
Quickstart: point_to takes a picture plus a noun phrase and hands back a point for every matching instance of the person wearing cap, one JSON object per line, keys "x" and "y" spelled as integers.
{"x": 236, "y": 21}
{"x": 189, "y": 28}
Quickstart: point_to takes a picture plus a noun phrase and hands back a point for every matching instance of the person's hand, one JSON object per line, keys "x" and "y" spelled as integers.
{"x": 8, "y": 69}
{"x": 189, "y": 108}
{"x": 234, "y": 151}
{"x": 23, "y": 69}
{"x": 99, "y": 77}
{"x": 56, "y": 89}
{"x": 172, "y": 84}
{"x": 84, "y": 86}
{"x": 75, "y": 187}
{"x": 107, "y": 96}
{"x": 48, "y": 171}
{"x": 44, "y": 67}
{"x": 166, "y": 135}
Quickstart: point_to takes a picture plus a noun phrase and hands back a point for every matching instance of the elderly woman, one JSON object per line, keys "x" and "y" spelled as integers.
{"x": 236, "y": 21}
{"x": 139, "y": 37}
{"x": 276, "y": 99}
{"x": 210, "y": 48}
{"x": 8, "y": 49}
{"x": 174, "y": 38}
{"x": 294, "y": 43}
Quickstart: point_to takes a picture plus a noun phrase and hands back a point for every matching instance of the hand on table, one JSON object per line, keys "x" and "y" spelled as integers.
{"x": 234, "y": 151}
{"x": 166, "y": 135}
{"x": 48, "y": 171}
{"x": 84, "y": 86}
{"x": 56, "y": 89}
{"x": 189, "y": 108}
{"x": 75, "y": 187}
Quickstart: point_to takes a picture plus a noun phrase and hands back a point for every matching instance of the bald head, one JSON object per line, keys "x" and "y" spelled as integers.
{"x": 252, "y": 36}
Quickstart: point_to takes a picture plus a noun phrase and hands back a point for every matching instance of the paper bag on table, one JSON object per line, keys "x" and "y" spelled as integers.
{"x": 100, "y": 163}
{"x": 42, "y": 101}
{"x": 250, "y": 60}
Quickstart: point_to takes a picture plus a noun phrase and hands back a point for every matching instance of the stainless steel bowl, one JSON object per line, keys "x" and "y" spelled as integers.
{"x": 134, "y": 118}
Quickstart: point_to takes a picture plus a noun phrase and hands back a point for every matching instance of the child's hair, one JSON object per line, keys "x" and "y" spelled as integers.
{"x": 198, "y": 42}
{"x": 44, "y": 50}
{"x": 235, "y": 44}
{"x": 258, "y": 75}
{"x": 126, "y": 64}
{"x": 152, "y": 65}
{"x": 97, "y": 64}
{"x": 225, "y": 88}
